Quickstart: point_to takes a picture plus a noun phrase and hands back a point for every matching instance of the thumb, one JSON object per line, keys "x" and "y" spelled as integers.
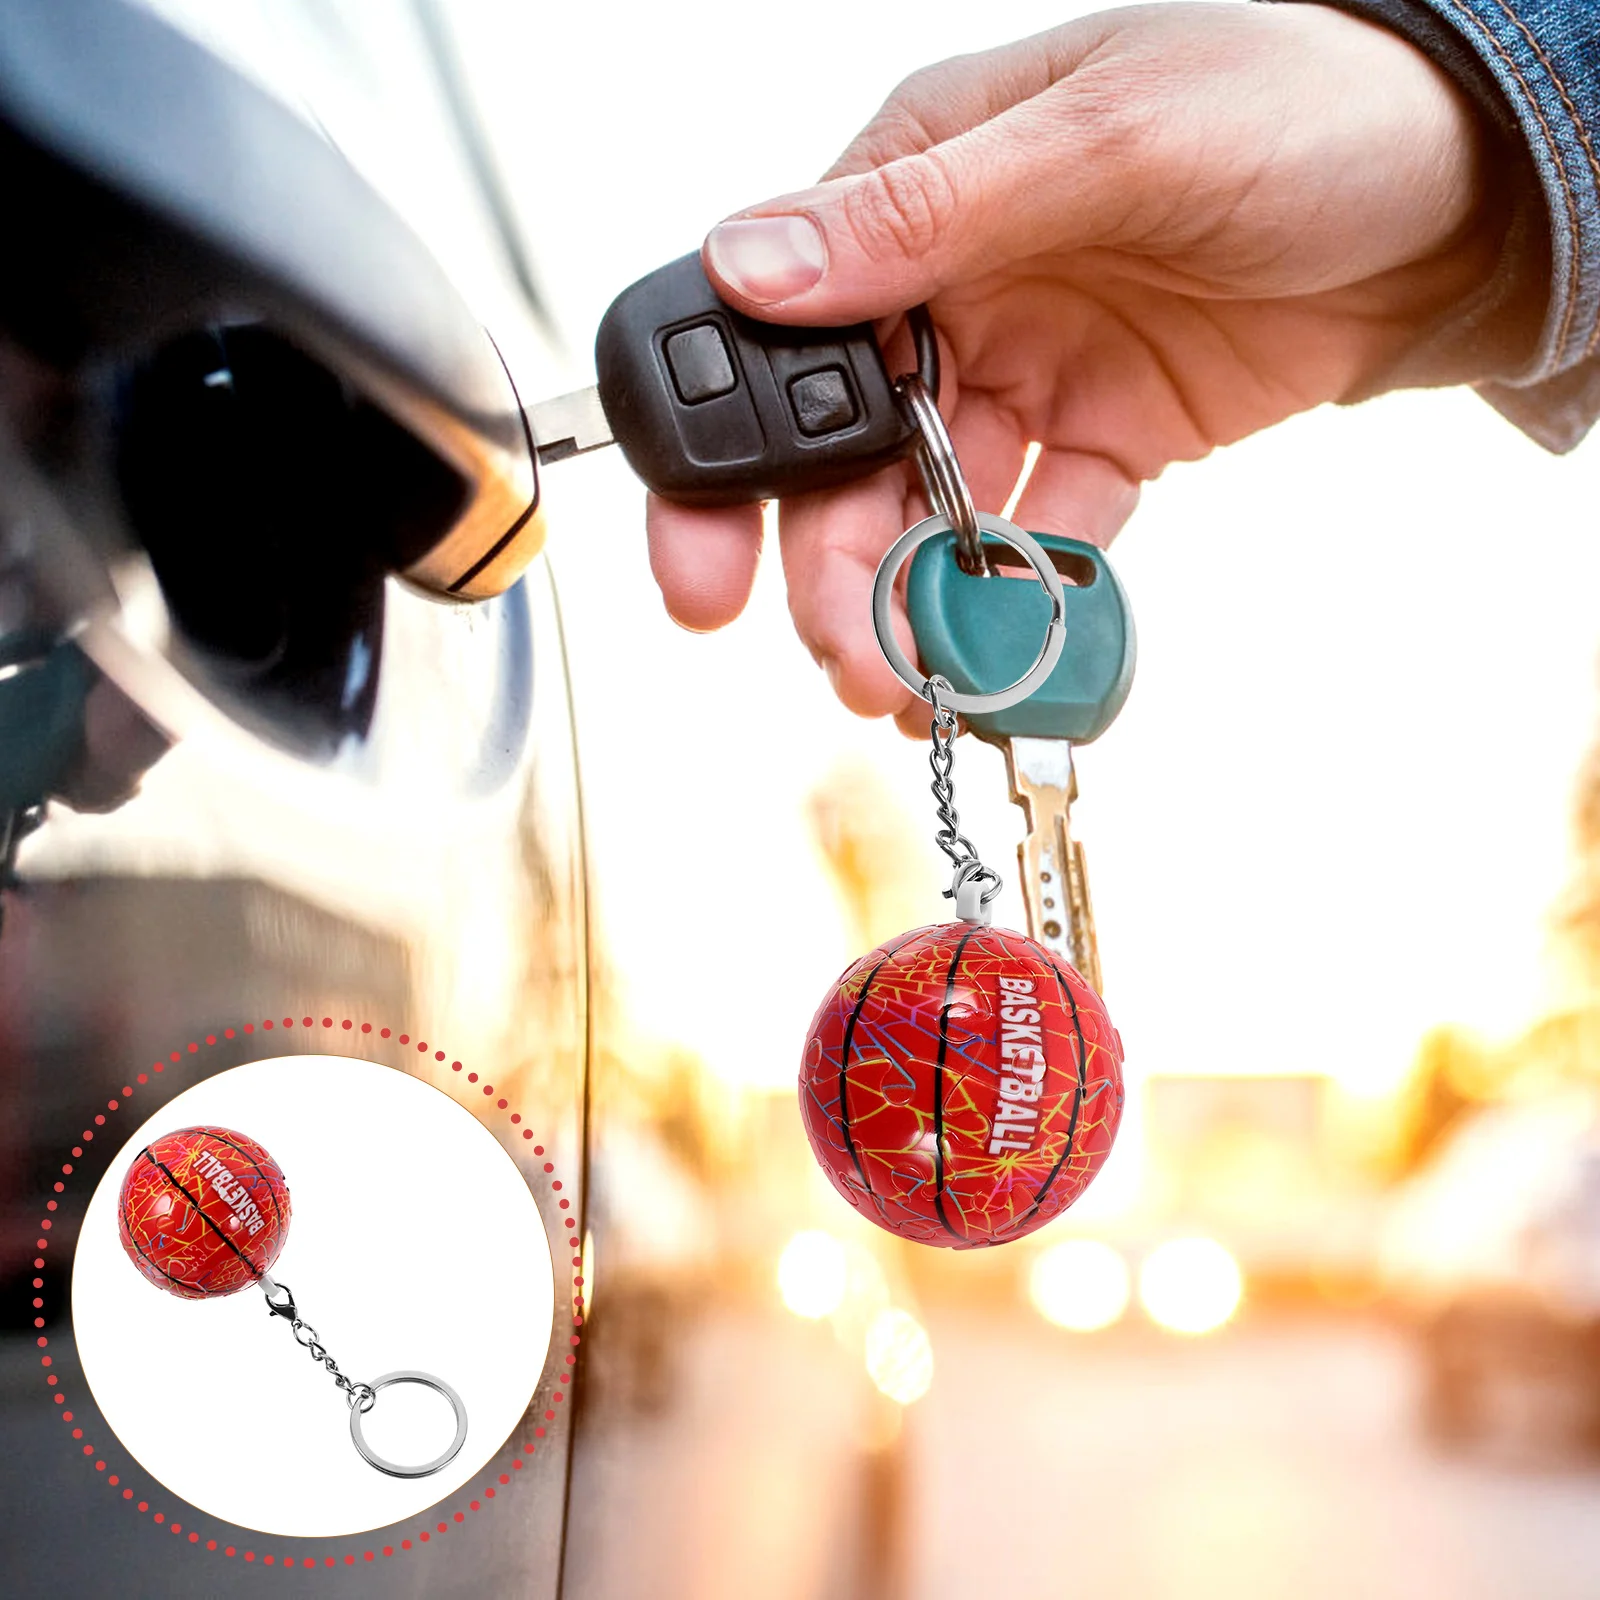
{"x": 872, "y": 243}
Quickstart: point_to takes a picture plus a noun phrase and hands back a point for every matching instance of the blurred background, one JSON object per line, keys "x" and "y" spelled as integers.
{"x": 1329, "y": 1322}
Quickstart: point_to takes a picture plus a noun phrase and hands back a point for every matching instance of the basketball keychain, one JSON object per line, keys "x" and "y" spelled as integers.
{"x": 204, "y": 1212}
{"x": 961, "y": 1084}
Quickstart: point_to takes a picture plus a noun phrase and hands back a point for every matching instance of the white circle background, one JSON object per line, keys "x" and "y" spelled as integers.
{"x": 414, "y": 1243}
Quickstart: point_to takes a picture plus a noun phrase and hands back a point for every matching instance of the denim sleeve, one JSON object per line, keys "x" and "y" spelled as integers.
{"x": 1533, "y": 69}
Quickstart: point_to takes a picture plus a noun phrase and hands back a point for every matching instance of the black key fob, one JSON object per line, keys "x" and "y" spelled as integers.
{"x": 713, "y": 408}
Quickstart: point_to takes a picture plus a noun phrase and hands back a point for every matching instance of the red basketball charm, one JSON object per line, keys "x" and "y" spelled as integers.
{"x": 961, "y": 1086}
{"x": 204, "y": 1211}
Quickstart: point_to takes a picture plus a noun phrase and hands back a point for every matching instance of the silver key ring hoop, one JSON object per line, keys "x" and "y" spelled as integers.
{"x": 1030, "y": 550}
{"x": 942, "y": 481}
{"x": 394, "y": 1469}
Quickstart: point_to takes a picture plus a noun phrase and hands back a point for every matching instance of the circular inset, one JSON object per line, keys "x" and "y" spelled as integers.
{"x": 203, "y": 1212}
{"x": 417, "y": 1245}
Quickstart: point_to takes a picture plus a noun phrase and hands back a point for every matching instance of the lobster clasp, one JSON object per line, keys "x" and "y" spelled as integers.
{"x": 279, "y": 1300}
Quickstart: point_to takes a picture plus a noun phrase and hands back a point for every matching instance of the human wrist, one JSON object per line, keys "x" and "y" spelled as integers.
{"x": 1489, "y": 324}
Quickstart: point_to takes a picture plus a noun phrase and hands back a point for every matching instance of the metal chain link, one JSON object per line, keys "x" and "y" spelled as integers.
{"x": 356, "y": 1394}
{"x": 962, "y": 852}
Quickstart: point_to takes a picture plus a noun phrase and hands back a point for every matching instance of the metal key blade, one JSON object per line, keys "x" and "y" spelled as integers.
{"x": 569, "y": 425}
{"x": 1055, "y": 882}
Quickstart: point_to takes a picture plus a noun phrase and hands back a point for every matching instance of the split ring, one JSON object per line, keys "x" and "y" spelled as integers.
{"x": 428, "y": 1381}
{"x": 942, "y": 481}
{"x": 1030, "y": 550}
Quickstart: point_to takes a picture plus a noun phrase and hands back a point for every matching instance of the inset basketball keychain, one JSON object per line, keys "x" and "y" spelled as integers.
{"x": 961, "y": 1084}
{"x": 204, "y": 1212}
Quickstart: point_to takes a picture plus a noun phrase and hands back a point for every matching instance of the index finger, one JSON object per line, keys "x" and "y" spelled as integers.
{"x": 832, "y": 543}
{"x": 949, "y": 98}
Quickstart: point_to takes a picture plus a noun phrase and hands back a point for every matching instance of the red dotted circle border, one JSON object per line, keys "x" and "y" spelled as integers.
{"x": 449, "y": 1519}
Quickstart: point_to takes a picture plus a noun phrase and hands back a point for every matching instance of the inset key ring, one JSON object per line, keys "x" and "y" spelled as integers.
{"x": 361, "y": 1397}
{"x": 428, "y": 1381}
{"x": 1029, "y": 549}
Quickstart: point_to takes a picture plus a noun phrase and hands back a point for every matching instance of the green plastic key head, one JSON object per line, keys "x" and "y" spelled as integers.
{"x": 983, "y": 633}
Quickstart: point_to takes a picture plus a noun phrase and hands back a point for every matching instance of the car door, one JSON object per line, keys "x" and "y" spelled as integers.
{"x": 286, "y": 749}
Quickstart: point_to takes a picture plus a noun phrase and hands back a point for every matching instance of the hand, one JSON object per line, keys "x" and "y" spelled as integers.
{"x": 1142, "y": 235}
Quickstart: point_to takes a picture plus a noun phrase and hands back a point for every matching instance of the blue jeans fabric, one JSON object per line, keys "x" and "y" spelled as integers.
{"x": 1543, "y": 59}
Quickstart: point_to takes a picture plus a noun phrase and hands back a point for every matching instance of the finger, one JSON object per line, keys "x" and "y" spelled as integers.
{"x": 989, "y": 442}
{"x": 940, "y": 101}
{"x": 991, "y": 447}
{"x": 915, "y": 718}
{"x": 1050, "y": 174}
{"x": 1077, "y": 495}
{"x": 704, "y": 561}
{"x": 831, "y": 545}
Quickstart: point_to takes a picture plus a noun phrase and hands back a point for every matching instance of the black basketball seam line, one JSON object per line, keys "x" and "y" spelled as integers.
{"x": 1077, "y": 1101}
{"x": 938, "y": 1084}
{"x": 272, "y": 1192}
{"x": 844, "y": 1067}
{"x": 254, "y": 1270}
{"x": 222, "y": 1138}
{"x": 181, "y": 1282}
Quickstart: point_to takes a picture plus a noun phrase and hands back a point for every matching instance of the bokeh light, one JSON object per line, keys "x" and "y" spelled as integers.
{"x": 1190, "y": 1285}
{"x": 899, "y": 1356}
{"x": 813, "y": 1273}
{"x": 1081, "y": 1284}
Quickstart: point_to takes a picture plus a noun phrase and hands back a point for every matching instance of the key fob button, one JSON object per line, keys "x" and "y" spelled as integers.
{"x": 698, "y": 360}
{"x": 822, "y": 401}
{"x": 709, "y": 406}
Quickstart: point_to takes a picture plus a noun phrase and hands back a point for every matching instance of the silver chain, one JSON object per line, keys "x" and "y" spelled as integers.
{"x": 963, "y": 853}
{"x": 356, "y": 1394}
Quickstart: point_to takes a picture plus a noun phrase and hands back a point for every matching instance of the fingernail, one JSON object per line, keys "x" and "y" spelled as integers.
{"x": 768, "y": 259}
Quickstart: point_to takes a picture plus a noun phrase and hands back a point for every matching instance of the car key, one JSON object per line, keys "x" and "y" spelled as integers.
{"x": 980, "y": 631}
{"x": 1054, "y": 874}
{"x": 713, "y": 408}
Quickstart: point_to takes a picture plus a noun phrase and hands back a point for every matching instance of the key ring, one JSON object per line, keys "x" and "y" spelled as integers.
{"x": 926, "y": 344}
{"x": 428, "y": 1381}
{"x": 1029, "y": 549}
{"x": 361, "y": 1397}
{"x": 942, "y": 480}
